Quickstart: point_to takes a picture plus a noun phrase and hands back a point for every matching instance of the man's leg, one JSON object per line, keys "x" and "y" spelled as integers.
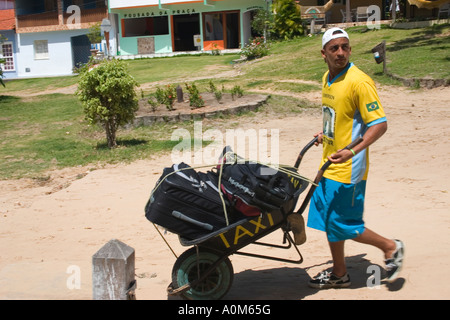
{"x": 337, "y": 253}
{"x": 339, "y": 277}
{"x": 369, "y": 237}
{"x": 394, "y": 251}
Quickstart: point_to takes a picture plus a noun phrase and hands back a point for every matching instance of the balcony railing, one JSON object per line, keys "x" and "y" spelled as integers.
{"x": 51, "y": 19}
{"x": 90, "y": 15}
{"x": 37, "y": 20}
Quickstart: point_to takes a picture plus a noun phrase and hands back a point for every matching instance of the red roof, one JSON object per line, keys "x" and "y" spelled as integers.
{"x": 7, "y": 19}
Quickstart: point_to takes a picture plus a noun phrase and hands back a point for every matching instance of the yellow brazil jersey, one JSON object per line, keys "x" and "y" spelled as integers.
{"x": 350, "y": 106}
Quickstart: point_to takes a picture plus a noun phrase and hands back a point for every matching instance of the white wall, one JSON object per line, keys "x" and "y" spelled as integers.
{"x": 115, "y": 4}
{"x": 59, "y": 61}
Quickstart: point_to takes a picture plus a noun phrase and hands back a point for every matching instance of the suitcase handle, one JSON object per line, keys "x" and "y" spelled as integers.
{"x": 179, "y": 215}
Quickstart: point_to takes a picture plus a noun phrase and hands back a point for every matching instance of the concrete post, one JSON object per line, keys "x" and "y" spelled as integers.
{"x": 113, "y": 272}
{"x": 180, "y": 94}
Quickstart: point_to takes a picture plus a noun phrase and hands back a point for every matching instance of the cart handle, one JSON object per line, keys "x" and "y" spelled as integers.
{"x": 304, "y": 150}
{"x": 328, "y": 163}
{"x": 320, "y": 174}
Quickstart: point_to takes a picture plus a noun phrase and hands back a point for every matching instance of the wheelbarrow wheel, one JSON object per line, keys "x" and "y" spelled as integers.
{"x": 191, "y": 264}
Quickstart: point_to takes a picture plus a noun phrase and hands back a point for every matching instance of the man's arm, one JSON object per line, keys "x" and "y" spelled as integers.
{"x": 372, "y": 134}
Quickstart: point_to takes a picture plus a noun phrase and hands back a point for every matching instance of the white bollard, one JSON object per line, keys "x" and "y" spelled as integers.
{"x": 113, "y": 272}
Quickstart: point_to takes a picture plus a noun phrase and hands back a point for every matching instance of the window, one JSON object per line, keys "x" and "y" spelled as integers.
{"x": 41, "y": 49}
{"x": 213, "y": 26}
{"x": 221, "y": 30}
{"x": 139, "y": 27}
{"x": 7, "y": 53}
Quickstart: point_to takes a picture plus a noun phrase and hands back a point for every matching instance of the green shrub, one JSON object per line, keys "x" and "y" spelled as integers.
{"x": 215, "y": 51}
{"x": 212, "y": 86}
{"x": 195, "y": 99}
{"x": 255, "y": 49}
{"x": 171, "y": 95}
{"x": 153, "y": 104}
{"x": 237, "y": 91}
{"x": 287, "y": 22}
{"x": 166, "y": 96}
{"x": 262, "y": 23}
{"x": 218, "y": 95}
{"x": 108, "y": 96}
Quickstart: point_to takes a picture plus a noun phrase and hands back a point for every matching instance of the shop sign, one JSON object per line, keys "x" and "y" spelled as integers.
{"x": 254, "y": 8}
{"x": 145, "y": 14}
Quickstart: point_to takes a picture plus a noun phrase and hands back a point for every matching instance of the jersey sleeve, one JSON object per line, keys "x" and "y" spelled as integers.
{"x": 368, "y": 103}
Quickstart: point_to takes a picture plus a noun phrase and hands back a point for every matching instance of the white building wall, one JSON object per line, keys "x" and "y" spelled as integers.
{"x": 59, "y": 61}
{"x": 114, "y": 4}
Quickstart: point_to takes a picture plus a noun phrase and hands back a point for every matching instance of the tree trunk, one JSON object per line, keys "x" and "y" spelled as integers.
{"x": 111, "y": 133}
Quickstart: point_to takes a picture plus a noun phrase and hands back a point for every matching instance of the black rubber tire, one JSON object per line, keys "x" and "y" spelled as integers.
{"x": 217, "y": 283}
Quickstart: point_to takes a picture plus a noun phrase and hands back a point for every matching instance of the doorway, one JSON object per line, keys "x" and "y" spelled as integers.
{"x": 185, "y": 26}
{"x": 233, "y": 28}
{"x": 221, "y": 30}
{"x": 81, "y": 50}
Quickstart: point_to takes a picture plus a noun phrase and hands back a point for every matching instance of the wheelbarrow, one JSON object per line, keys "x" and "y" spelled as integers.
{"x": 205, "y": 272}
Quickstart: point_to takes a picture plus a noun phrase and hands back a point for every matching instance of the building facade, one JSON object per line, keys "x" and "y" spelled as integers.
{"x": 8, "y": 43}
{"x": 51, "y": 34}
{"x": 148, "y": 27}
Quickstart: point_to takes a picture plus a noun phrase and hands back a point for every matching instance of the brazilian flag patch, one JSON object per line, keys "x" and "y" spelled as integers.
{"x": 372, "y": 106}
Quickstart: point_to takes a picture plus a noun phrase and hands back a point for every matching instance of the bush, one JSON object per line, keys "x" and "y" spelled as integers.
{"x": 256, "y": 49}
{"x": 195, "y": 99}
{"x": 153, "y": 104}
{"x": 108, "y": 96}
{"x": 263, "y": 23}
{"x": 287, "y": 23}
{"x": 237, "y": 91}
{"x": 166, "y": 96}
{"x": 212, "y": 86}
{"x": 215, "y": 51}
{"x": 283, "y": 21}
{"x": 95, "y": 35}
{"x": 218, "y": 95}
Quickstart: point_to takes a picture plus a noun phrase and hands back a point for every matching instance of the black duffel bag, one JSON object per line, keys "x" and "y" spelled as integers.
{"x": 254, "y": 188}
{"x": 187, "y": 202}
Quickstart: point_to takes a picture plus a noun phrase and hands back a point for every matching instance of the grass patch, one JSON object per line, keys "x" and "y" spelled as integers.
{"x": 51, "y": 133}
{"x": 179, "y": 67}
{"x": 407, "y": 52}
{"x": 35, "y": 85}
{"x": 296, "y": 87}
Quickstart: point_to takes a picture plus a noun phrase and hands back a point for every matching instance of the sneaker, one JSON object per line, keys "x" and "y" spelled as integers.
{"x": 327, "y": 280}
{"x": 297, "y": 224}
{"x": 394, "y": 264}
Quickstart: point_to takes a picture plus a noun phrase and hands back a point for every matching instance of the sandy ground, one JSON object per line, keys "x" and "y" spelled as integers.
{"x": 49, "y": 232}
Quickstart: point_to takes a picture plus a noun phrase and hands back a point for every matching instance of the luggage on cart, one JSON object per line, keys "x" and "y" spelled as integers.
{"x": 204, "y": 271}
{"x": 187, "y": 202}
{"x": 254, "y": 188}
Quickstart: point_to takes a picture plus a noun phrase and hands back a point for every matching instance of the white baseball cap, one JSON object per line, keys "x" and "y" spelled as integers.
{"x": 333, "y": 33}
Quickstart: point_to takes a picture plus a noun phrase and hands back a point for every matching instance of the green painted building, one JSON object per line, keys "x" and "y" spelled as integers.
{"x": 146, "y": 27}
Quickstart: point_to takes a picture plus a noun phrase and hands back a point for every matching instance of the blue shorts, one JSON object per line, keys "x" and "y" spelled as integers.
{"x": 337, "y": 208}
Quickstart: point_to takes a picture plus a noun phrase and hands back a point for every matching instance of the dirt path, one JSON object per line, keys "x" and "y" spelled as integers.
{"x": 46, "y": 227}
{"x": 144, "y": 86}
